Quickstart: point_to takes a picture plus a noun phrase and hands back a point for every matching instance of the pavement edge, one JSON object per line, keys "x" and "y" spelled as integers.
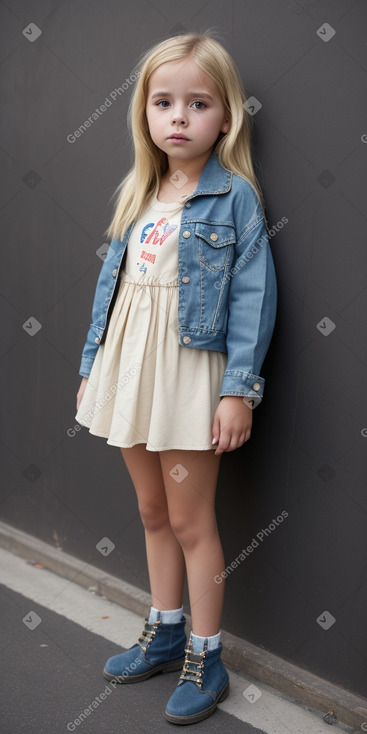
{"x": 243, "y": 657}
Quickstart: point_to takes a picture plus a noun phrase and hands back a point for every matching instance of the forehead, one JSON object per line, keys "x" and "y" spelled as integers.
{"x": 181, "y": 73}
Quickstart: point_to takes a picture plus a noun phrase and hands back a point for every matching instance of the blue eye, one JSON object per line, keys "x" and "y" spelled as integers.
{"x": 197, "y": 104}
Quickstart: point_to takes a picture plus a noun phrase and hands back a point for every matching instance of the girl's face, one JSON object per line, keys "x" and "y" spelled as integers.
{"x": 184, "y": 101}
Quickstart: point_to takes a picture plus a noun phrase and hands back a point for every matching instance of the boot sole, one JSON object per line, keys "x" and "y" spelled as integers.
{"x": 163, "y": 668}
{"x": 201, "y": 715}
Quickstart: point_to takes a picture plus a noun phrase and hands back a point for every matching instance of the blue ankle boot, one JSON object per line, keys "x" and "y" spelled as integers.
{"x": 203, "y": 683}
{"x": 160, "y": 647}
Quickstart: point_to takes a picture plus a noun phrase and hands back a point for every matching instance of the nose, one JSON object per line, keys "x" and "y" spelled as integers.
{"x": 178, "y": 115}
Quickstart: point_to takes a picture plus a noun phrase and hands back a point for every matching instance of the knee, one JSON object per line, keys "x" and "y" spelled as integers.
{"x": 187, "y": 532}
{"x": 154, "y": 516}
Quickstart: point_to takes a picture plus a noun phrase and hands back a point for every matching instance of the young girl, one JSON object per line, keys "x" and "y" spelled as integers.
{"x": 188, "y": 293}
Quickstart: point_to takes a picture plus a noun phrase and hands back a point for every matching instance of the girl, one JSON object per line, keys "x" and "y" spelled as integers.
{"x": 174, "y": 378}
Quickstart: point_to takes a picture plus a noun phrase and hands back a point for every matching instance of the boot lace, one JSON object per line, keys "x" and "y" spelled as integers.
{"x": 148, "y": 634}
{"x": 193, "y": 667}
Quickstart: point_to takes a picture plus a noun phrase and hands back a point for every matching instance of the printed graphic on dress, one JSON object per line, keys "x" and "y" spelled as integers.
{"x": 153, "y": 235}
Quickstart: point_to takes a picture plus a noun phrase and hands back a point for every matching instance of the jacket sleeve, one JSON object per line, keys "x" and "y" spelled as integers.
{"x": 251, "y": 312}
{"x": 101, "y": 303}
{"x": 91, "y": 345}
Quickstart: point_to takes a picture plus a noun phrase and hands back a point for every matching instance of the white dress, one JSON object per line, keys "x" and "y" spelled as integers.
{"x": 145, "y": 387}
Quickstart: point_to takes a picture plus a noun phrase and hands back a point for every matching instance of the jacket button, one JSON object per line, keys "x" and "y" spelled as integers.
{"x": 187, "y": 339}
{"x": 186, "y": 234}
{"x": 188, "y": 205}
{"x": 214, "y": 236}
{"x": 256, "y": 386}
{"x": 114, "y": 272}
{"x": 186, "y": 279}
{"x": 97, "y": 340}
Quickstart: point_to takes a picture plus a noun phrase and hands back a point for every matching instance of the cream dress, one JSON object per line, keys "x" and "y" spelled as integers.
{"x": 144, "y": 387}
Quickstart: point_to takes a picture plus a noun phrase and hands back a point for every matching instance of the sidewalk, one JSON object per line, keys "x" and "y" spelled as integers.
{"x": 55, "y": 638}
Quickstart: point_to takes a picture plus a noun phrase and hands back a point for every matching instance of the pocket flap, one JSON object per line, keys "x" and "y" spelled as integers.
{"x": 216, "y": 235}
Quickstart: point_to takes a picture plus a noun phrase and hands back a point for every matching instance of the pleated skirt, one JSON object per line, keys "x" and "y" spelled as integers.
{"x": 144, "y": 387}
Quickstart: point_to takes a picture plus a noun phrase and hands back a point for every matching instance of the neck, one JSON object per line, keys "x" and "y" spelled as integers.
{"x": 191, "y": 168}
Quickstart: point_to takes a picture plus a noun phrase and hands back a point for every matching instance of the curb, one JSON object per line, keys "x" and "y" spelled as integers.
{"x": 241, "y": 656}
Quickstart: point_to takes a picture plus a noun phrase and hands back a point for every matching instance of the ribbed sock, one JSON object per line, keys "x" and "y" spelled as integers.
{"x": 167, "y": 616}
{"x": 199, "y": 642}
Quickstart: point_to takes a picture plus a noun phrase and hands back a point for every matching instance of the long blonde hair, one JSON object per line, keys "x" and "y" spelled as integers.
{"x": 233, "y": 148}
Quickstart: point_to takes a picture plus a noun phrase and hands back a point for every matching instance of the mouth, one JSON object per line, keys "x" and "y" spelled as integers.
{"x": 178, "y": 136}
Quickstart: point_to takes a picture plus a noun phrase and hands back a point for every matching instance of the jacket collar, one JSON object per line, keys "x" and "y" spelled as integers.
{"x": 214, "y": 179}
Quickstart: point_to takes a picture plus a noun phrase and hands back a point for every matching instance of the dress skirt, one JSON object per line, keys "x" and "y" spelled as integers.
{"x": 144, "y": 387}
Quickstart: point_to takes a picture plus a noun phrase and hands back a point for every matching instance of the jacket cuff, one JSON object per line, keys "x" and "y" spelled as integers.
{"x": 86, "y": 366}
{"x": 244, "y": 384}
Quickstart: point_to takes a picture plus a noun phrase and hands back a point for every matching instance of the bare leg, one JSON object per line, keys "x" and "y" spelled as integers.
{"x": 165, "y": 559}
{"x": 191, "y": 507}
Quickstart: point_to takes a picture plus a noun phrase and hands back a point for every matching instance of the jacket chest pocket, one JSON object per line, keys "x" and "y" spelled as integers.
{"x": 215, "y": 244}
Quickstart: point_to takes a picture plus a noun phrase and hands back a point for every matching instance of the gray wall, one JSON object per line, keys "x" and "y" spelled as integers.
{"x": 307, "y": 453}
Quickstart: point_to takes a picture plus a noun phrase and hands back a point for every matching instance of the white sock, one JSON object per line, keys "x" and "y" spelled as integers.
{"x": 199, "y": 642}
{"x": 167, "y": 616}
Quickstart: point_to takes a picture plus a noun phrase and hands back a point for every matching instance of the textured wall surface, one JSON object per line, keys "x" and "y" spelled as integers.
{"x": 300, "y": 587}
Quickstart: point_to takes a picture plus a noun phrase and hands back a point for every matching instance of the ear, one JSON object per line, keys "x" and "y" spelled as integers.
{"x": 226, "y": 126}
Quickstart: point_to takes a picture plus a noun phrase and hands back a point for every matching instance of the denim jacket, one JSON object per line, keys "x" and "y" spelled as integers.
{"x": 226, "y": 279}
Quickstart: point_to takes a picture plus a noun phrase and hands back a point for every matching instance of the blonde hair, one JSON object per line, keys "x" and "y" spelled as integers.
{"x": 233, "y": 148}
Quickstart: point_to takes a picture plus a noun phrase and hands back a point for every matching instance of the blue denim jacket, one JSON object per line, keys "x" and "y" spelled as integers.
{"x": 227, "y": 283}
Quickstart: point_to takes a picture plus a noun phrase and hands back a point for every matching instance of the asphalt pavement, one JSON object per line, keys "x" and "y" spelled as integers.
{"x": 55, "y": 637}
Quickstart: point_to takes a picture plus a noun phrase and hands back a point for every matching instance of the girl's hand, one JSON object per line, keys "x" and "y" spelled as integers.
{"x": 80, "y": 392}
{"x": 232, "y": 423}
